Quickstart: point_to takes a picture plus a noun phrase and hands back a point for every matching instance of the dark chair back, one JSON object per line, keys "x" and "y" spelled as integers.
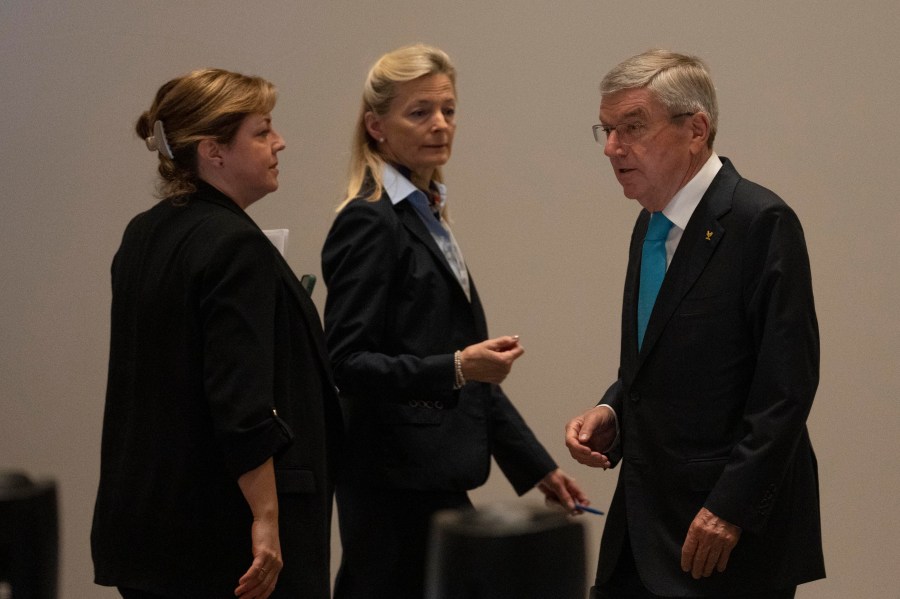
{"x": 29, "y": 537}
{"x": 506, "y": 552}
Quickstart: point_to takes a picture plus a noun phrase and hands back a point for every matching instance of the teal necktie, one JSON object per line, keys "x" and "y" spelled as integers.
{"x": 653, "y": 269}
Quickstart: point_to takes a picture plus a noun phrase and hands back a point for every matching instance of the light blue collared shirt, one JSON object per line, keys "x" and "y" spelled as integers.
{"x": 398, "y": 188}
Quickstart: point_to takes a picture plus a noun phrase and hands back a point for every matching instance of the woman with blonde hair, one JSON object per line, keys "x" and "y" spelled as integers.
{"x": 418, "y": 375}
{"x": 216, "y": 472}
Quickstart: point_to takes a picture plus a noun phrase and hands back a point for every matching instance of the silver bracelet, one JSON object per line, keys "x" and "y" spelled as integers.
{"x": 457, "y": 364}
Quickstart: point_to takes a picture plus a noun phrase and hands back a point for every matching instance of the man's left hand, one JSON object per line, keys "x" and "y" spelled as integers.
{"x": 708, "y": 544}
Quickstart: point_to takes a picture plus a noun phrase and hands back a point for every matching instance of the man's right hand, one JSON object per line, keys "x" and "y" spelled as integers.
{"x": 590, "y": 434}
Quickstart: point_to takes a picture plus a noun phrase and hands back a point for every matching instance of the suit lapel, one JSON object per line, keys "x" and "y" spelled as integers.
{"x": 413, "y": 222}
{"x": 632, "y": 285}
{"x": 698, "y": 243}
{"x": 309, "y": 312}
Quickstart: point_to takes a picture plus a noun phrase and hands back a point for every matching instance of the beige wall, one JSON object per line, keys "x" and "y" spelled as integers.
{"x": 808, "y": 94}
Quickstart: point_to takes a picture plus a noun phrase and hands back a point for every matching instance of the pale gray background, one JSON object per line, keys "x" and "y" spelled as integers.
{"x": 808, "y": 94}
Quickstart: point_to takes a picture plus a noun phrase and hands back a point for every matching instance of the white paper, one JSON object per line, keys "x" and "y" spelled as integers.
{"x": 278, "y": 237}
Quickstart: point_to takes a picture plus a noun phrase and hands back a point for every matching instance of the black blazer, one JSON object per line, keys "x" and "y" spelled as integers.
{"x": 217, "y": 362}
{"x": 394, "y": 316}
{"x": 713, "y": 409}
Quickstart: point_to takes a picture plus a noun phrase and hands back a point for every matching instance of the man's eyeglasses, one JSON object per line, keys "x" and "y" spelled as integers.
{"x": 627, "y": 133}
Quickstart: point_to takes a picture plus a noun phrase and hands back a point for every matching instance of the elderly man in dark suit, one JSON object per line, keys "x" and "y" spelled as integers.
{"x": 718, "y": 491}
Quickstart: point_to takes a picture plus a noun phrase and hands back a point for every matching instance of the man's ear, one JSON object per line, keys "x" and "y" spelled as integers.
{"x": 374, "y": 125}
{"x": 699, "y": 131}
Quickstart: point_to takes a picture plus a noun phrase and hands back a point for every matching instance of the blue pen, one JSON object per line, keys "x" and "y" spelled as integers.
{"x": 590, "y": 510}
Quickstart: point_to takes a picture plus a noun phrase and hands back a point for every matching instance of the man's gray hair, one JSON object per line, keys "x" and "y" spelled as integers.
{"x": 681, "y": 82}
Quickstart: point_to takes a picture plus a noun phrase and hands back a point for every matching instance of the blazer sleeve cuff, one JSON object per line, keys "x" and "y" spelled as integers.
{"x": 249, "y": 448}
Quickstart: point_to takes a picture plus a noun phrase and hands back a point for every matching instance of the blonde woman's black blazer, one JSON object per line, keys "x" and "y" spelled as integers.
{"x": 395, "y": 314}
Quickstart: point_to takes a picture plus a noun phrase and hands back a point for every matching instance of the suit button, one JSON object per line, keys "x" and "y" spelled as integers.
{"x": 635, "y": 397}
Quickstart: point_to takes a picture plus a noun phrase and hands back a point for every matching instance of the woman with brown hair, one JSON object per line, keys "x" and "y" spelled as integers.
{"x": 216, "y": 470}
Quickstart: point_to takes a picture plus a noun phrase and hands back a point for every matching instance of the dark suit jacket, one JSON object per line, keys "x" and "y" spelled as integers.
{"x": 217, "y": 362}
{"x": 713, "y": 409}
{"x": 394, "y": 316}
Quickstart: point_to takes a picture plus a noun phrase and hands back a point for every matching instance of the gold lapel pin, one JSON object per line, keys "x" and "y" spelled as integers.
{"x": 709, "y": 235}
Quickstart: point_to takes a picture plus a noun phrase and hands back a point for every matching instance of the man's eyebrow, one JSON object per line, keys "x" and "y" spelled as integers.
{"x": 634, "y": 113}
{"x": 637, "y": 112}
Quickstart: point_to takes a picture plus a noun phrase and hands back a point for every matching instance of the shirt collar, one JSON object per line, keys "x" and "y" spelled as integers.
{"x": 682, "y": 205}
{"x": 398, "y": 188}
